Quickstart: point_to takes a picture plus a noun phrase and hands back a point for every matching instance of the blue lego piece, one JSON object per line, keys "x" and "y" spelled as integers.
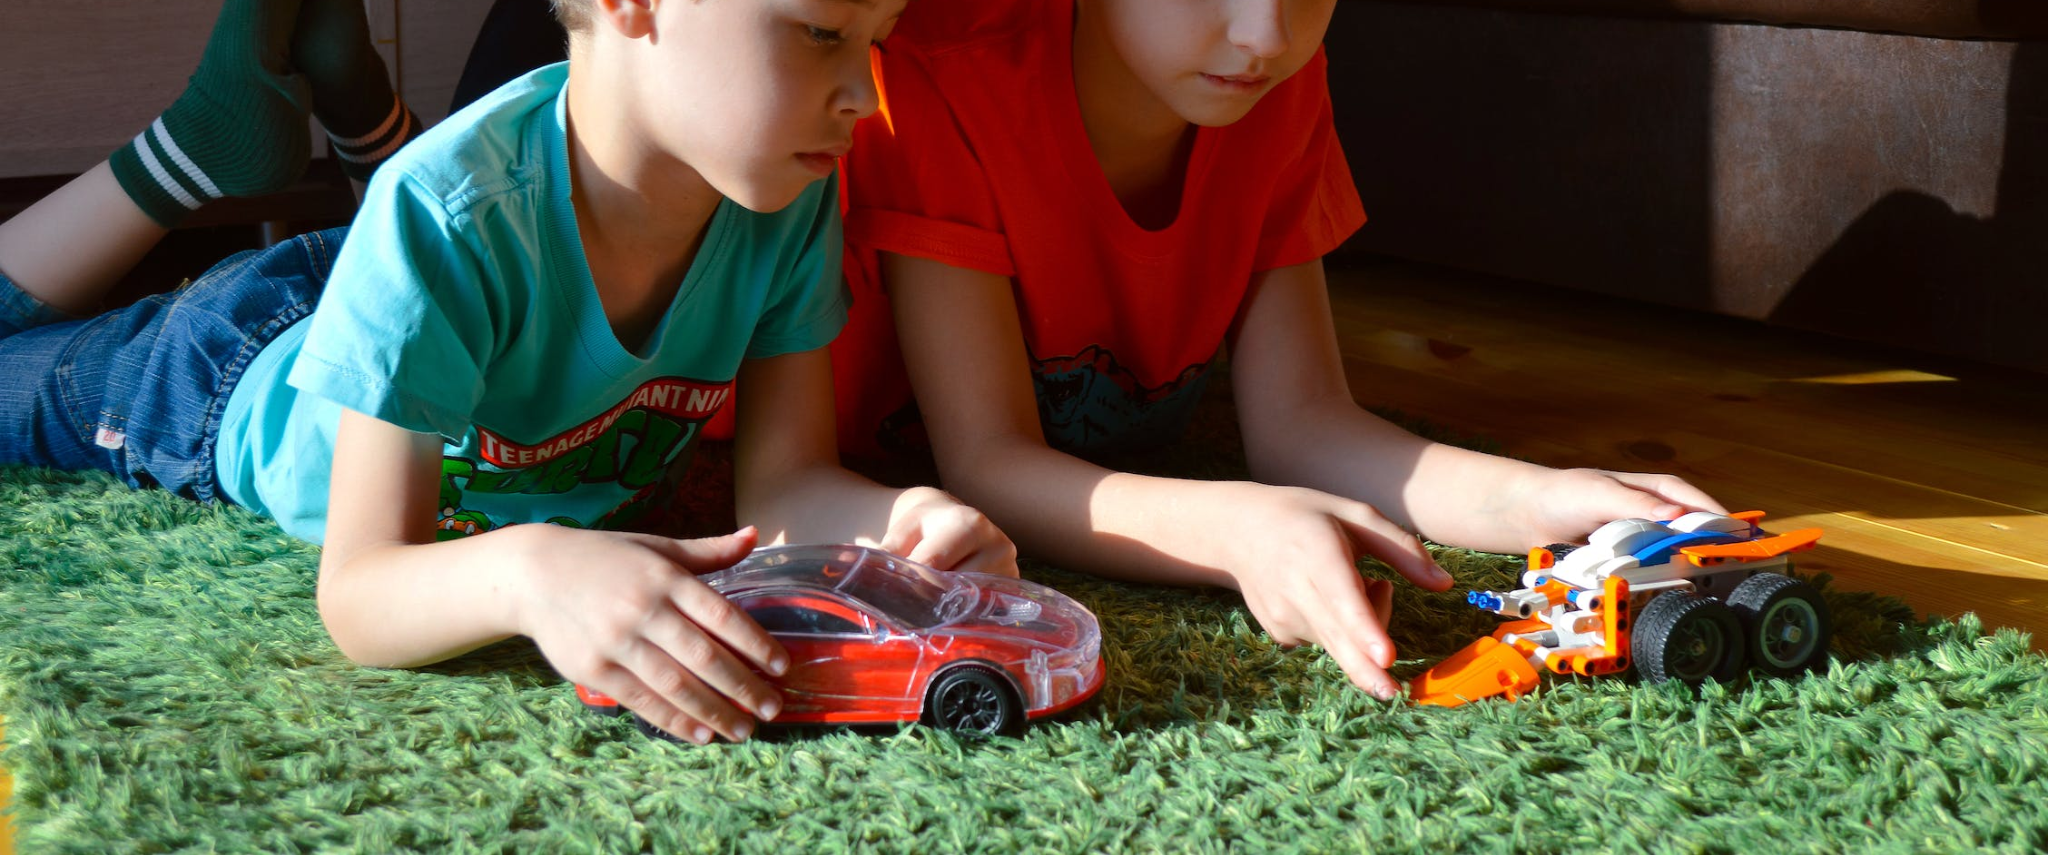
{"x": 1662, "y": 551}
{"x": 1487, "y": 600}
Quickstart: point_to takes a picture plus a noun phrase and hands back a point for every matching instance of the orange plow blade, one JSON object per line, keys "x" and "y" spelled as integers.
{"x": 1769, "y": 547}
{"x": 1482, "y": 670}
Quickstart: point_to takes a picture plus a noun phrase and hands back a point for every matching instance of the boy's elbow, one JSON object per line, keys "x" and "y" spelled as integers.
{"x": 342, "y": 615}
{"x": 362, "y": 650}
{"x": 336, "y": 618}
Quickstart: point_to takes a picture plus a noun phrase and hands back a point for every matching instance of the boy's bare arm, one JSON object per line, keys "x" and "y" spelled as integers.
{"x": 1301, "y": 426}
{"x": 790, "y": 484}
{"x": 620, "y": 612}
{"x": 444, "y": 599}
{"x": 1290, "y": 551}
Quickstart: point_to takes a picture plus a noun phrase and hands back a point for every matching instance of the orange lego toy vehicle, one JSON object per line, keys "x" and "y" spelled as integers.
{"x": 1696, "y": 597}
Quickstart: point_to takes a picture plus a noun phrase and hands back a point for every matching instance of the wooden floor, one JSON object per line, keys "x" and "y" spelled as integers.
{"x": 1930, "y": 477}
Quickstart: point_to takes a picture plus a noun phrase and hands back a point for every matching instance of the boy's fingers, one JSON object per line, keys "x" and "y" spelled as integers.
{"x": 1341, "y": 611}
{"x": 710, "y": 611}
{"x": 674, "y": 683}
{"x": 1379, "y": 594}
{"x": 635, "y": 695}
{"x": 967, "y": 542}
{"x": 995, "y": 561}
{"x": 901, "y": 540}
{"x": 932, "y": 550}
{"x": 1358, "y": 665}
{"x": 944, "y": 540}
{"x": 705, "y": 554}
{"x": 1670, "y": 488}
{"x": 714, "y": 666}
{"x": 1388, "y": 542}
{"x": 1624, "y": 502}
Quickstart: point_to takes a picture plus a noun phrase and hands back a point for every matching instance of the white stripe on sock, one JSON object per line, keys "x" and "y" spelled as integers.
{"x": 178, "y": 156}
{"x": 163, "y": 178}
{"x": 397, "y": 109}
{"x": 382, "y": 151}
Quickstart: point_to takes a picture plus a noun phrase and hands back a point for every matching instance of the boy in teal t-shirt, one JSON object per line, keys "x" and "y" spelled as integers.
{"x": 540, "y": 303}
{"x": 560, "y": 421}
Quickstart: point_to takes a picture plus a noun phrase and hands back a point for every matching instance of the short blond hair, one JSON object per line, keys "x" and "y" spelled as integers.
{"x": 573, "y": 15}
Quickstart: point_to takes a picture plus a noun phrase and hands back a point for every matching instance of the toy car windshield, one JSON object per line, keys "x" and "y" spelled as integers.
{"x": 911, "y": 594}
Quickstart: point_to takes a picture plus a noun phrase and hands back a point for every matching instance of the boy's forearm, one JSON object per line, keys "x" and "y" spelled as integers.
{"x": 818, "y": 503}
{"x": 402, "y": 605}
{"x": 1081, "y": 516}
{"x": 1446, "y": 494}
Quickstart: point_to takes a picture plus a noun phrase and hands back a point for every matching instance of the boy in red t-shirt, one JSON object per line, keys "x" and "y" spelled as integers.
{"x": 1070, "y": 208}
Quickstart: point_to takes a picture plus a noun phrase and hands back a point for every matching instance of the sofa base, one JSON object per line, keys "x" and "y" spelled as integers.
{"x": 1885, "y": 187}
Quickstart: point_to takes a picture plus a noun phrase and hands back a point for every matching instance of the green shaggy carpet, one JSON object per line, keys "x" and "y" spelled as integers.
{"x": 166, "y": 685}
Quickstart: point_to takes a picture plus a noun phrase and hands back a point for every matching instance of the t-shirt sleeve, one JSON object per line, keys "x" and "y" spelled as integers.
{"x": 915, "y": 186}
{"x": 402, "y": 332}
{"x": 1315, "y": 207}
{"x": 807, "y": 305}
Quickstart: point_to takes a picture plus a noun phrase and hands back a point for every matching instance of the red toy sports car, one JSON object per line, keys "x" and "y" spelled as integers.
{"x": 877, "y": 638}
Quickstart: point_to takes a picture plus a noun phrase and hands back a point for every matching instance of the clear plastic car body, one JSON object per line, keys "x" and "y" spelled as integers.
{"x": 876, "y": 638}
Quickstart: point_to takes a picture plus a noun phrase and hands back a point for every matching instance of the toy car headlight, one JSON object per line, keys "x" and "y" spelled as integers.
{"x": 1053, "y": 678}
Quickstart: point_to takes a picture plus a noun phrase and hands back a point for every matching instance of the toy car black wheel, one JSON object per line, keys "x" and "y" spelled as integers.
{"x": 1686, "y": 637}
{"x": 1786, "y": 623}
{"x": 973, "y": 699}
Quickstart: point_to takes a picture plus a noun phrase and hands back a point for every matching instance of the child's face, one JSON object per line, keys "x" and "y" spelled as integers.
{"x": 1210, "y": 61}
{"x": 760, "y": 96}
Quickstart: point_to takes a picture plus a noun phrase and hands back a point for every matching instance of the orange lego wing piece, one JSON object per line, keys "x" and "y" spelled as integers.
{"x": 1482, "y": 670}
{"x": 1523, "y": 625}
{"x": 1768, "y": 547}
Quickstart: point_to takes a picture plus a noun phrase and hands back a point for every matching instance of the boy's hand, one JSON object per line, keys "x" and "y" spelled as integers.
{"x": 1566, "y": 505}
{"x": 625, "y": 614}
{"x": 1299, "y": 575}
{"x": 932, "y": 528}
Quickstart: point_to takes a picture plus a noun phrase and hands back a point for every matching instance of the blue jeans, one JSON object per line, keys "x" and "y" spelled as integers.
{"x": 139, "y": 392}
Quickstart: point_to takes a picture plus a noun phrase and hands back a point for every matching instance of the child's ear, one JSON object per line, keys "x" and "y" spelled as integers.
{"x": 630, "y": 18}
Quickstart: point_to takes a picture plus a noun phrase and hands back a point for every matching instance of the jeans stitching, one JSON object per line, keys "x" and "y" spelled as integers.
{"x": 207, "y": 488}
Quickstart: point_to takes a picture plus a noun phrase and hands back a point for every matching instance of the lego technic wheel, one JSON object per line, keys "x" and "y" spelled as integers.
{"x": 1784, "y": 621}
{"x": 973, "y": 699}
{"x": 1686, "y": 637}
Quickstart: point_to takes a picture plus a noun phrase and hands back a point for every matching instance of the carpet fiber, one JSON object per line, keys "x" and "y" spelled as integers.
{"x": 166, "y": 685}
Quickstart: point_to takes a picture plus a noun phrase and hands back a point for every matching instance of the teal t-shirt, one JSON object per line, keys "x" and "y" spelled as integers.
{"x": 461, "y": 304}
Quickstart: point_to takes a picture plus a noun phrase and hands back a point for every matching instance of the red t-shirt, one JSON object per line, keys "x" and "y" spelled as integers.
{"x": 978, "y": 159}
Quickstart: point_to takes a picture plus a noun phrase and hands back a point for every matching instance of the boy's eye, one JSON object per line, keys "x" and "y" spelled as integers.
{"x": 823, "y": 36}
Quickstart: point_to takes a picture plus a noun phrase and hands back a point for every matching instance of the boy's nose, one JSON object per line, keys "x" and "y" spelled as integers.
{"x": 1259, "y": 27}
{"x": 858, "y": 96}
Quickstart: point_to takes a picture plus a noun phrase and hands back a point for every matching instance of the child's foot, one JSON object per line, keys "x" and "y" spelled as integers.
{"x": 352, "y": 95}
{"x": 238, "y": 130}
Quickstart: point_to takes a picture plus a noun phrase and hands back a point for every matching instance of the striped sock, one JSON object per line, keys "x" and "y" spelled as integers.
{"x": 361, "y": 155}
{"x": 352, "y": 96}
{"x": 239, "y": 129}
